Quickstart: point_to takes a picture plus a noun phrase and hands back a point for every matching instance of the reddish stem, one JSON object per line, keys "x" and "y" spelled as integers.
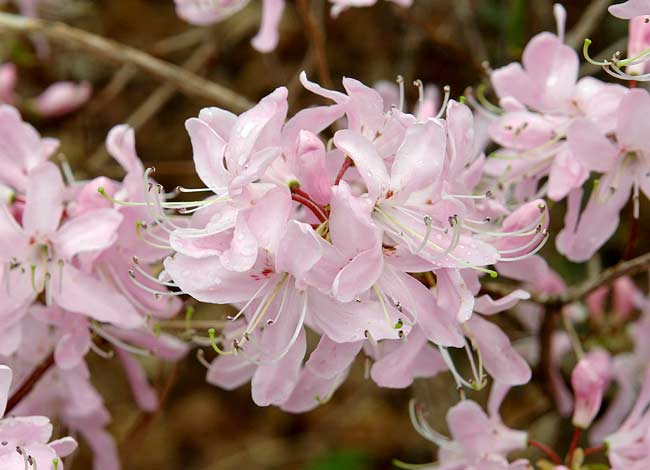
{"x": 550, "y": 453}
{"x": 347, "y": 163}
{"x": 632, "y": 83}
{"x": 300, "y": 192}
{"x": 594, "y": 449}
{"x": 311, "y": 205}
{"x": 29, "y": 384}
{"x": 575, "y": 440}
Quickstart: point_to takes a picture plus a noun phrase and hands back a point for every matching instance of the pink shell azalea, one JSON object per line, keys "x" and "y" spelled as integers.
{"x": 624, "y": 164}
{"x": 296, "y": 244}
{"x": 25, "y": 441}
{"x": 478, "y": 440}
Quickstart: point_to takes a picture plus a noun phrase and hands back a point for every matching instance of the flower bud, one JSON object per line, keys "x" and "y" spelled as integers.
{"x": 62, "y": 98}
{"x": 589, "y": 380}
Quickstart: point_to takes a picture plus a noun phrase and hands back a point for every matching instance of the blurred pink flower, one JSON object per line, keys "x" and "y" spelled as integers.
{"x": 630, "y": 9}
{"x": 62, "y": 98}
{"x": 202, "y": 12}
{"x": 25, "y": 441}
{"x": 8, "y": 78}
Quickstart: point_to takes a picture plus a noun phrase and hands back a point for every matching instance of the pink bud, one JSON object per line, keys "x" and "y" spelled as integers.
{"x": 625, "y": 295}
{"x": 62, "y": 98}
{"x": 596, "y": 302}
{"x": 589, "y": 380}
{"x": 8, "y": 77}
{"x": 638, "y": 40}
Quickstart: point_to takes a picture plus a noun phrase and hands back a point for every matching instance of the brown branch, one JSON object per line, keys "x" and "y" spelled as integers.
{"x": 157, "y": 99}
{"x": 317, "y": 43}
{"x": 573, "y": 294}
{"x": 626, "y": 268}
{"x": 29, "y": 384}
{"x": 112, "y": 51}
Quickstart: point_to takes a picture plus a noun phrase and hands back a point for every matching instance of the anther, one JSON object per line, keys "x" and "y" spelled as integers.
{"x": 419, "y": 85}
{"x": 400, "y": 83}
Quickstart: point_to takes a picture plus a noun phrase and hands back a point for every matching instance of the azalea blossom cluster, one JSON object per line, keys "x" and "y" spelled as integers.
{"x": 480, "y": 440}
{"x": 373, "y": 240}
{"x": 67, "y": 289}
{"x": 557, "y": 131}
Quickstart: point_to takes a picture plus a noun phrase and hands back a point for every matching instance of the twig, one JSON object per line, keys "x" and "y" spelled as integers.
{"x": 29, "y": 384}
{"x": 187, "y": 82}
{"x": 625, "y": 268}
{"x": 157, "y": 99}
{"x": 587, "y": 23}
{"x": 317, "y": 43}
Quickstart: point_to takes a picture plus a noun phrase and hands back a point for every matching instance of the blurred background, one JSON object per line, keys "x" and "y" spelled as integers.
{"x": 442, "y": 42}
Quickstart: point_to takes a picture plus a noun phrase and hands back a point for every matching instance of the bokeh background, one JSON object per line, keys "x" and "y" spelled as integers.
{"x": 443, "y": 42}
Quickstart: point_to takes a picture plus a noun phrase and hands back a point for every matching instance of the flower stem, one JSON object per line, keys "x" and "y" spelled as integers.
{"x": 550, "y": 453}
{"x": 347, "y": 163}
{"x": 575, "y": 440}
{"x": 30, "y": 382}
{"x": 594, "y": 449}
{"x": 311, "y": 205}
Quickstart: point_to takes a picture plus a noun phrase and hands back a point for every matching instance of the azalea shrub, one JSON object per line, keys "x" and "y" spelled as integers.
{"x": 421, "y": 239}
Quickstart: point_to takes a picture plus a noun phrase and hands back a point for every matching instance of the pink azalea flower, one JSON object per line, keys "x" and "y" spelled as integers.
{"x": 22, "y": 148}
{"x": 638, "y": 41}
{"x": 625, "y": 171}
{"x": 478, "y": 440}
{"x": 627, "y": 368}
{"x": 25, "y": 441}
{"x": 359, "y": 231}
{"x": 45, "y": 248}
{"x": 534, "y": 126}
{"x": 339, "y": 6}
{"x": 628, "y": 447}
